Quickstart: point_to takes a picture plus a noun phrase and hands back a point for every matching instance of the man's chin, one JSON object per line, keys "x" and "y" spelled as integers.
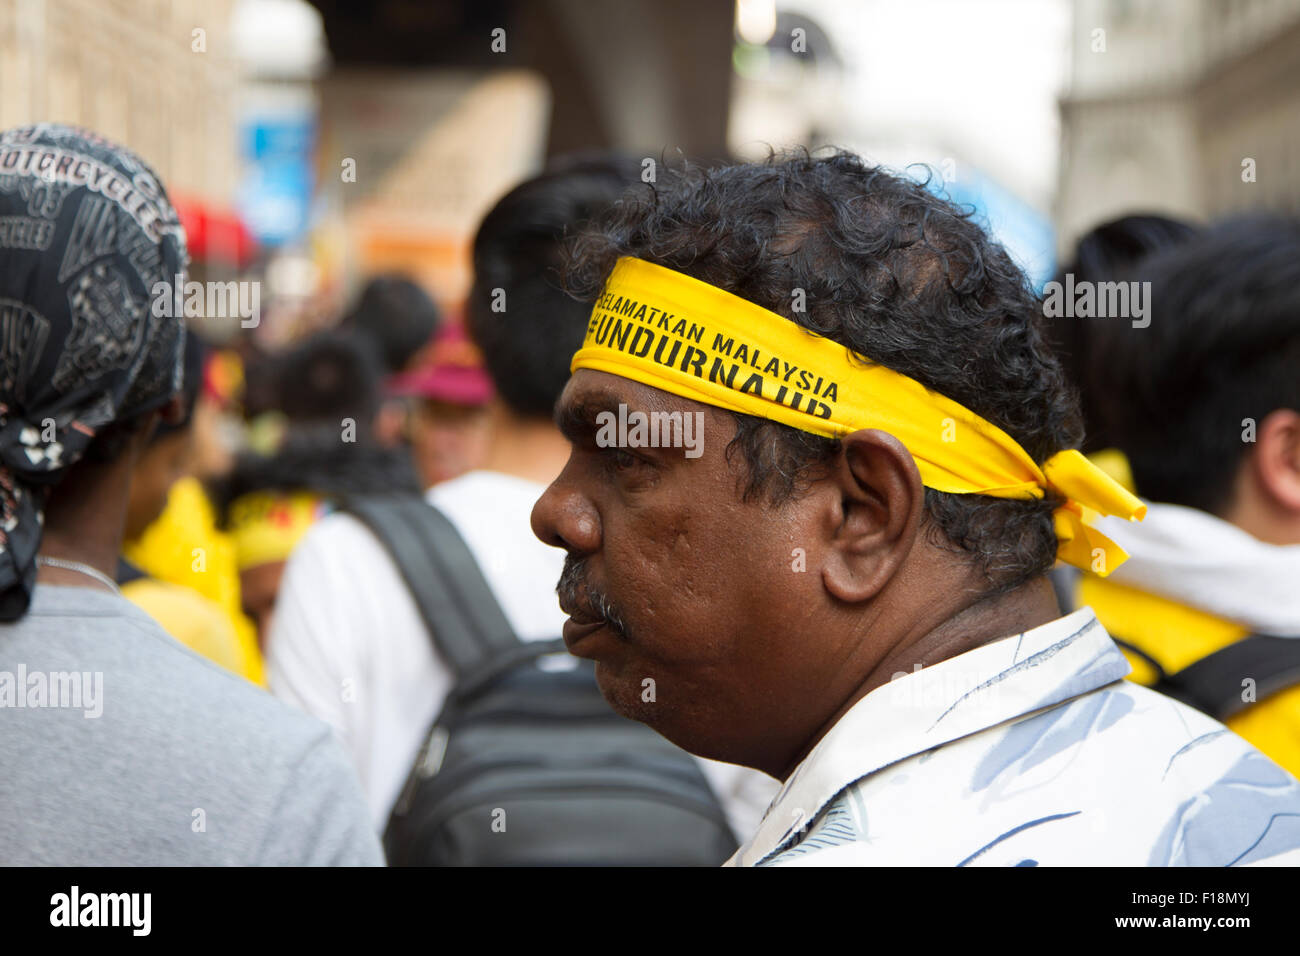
{"x": 633, "y": 698}
{"x": 623, "y": 694}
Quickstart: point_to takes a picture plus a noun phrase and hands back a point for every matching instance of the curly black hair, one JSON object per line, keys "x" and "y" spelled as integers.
{"x": 891, "y": 270}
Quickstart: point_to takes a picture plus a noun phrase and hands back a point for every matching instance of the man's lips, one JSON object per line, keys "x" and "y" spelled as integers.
{"x": 581, "y": 624}
{"x": 575, "y": 633}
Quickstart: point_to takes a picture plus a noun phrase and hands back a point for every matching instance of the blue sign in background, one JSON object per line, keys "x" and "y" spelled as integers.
{"x": 275, "y": 195}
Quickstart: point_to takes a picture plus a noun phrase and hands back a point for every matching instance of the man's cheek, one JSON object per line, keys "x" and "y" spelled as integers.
{"x": 672, "y": 564}
{"x": 641, "y": 586}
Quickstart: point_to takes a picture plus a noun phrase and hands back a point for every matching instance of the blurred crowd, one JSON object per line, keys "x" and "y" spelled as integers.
{"x": 246, "y": 536}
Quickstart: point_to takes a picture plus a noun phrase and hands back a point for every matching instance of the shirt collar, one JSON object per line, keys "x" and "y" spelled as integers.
{"x": 916, "y": 712}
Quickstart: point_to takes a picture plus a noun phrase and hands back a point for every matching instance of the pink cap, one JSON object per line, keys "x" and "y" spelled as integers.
{"x": 449, "y": 370}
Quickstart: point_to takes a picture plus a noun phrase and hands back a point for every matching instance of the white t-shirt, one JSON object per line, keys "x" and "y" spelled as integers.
{"x": 347, "y": 643}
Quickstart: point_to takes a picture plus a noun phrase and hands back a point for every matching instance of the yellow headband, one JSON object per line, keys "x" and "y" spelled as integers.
{"x": 673, "y": 332}
{"x": 267, "y": 525}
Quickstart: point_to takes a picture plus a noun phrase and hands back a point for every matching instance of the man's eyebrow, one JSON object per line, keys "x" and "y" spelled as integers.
{"x": 578, "y": 417}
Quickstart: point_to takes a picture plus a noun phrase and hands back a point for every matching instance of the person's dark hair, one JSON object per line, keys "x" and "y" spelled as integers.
{"x": 1111, "y": 252}
{"x": 331, "y": 376}
{"x": 1223, "y": 346}
{"x": 312, "y": 459}
{"x": 529, "y": 337}
{"x": 890, "y": 270}
{"x": 397, "y": 316}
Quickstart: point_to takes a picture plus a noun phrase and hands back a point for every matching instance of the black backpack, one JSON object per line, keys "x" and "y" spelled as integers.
{"x": 1214, "y": 684}
{"x": 526, "y": 766}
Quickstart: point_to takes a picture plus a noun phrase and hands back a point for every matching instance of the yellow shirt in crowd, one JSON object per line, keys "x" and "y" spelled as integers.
{"x": 194, "y": 593}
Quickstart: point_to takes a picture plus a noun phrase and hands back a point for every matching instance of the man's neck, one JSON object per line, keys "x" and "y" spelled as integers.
{"x": 84, "y": 521}
{"x": 528, "y": 448}
{"x": 980, "y": 622}
{"x": 929, "y": 641}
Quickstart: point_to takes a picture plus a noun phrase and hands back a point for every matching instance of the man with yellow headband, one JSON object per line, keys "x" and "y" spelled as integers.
{"x": 844, "y": 584}
{"x": 266, "y": 526}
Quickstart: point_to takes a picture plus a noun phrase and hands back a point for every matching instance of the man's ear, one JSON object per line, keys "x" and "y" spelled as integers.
{"x": 173, "y": 413}
{"x": 879, "y": 511}
{"x": 1277, "y": 458}
{"x": 143, "y": 435}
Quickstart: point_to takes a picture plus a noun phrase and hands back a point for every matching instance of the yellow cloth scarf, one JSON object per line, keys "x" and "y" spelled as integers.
{"x": 673, "y": 332}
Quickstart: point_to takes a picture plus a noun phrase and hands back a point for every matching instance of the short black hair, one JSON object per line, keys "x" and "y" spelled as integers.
{"x": 1223, "y": 346}
{"x": 328, "y": 377}
{"x": 1112, "y": 252}
{"x": 894, "y": 272}
{"x": 528, "y": 345}
{"x": 397, "y": 316}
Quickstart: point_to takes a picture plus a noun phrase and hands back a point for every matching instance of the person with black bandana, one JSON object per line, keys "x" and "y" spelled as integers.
{"x": 120, "y": 746}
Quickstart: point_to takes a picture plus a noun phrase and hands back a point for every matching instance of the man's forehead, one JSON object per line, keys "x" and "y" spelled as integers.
{"x": 596, "y": 391}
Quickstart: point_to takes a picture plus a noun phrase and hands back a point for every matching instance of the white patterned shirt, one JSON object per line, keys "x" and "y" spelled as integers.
{"x": 1029, "y": 751}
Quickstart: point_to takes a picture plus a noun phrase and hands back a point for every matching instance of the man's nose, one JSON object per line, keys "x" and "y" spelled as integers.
{"x": 565, "y": 518}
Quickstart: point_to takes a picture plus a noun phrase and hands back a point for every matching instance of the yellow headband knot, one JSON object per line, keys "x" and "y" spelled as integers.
{"x": 673, "y": 332}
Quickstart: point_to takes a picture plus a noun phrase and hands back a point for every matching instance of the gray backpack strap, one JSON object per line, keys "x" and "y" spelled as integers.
{"x": 459, "y": 610}
{"x": 1213, "y": 684}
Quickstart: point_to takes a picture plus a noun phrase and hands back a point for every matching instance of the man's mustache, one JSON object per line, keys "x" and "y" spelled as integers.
{"x": 575, "y": 591}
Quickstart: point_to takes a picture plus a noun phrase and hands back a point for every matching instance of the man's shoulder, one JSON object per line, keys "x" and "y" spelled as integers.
{"x": 149, "y": 675}
{"x": 178, "y": 747}
{"x": 1120, "y": 775}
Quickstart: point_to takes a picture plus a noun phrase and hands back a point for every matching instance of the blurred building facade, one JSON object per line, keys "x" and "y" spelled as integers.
{"x": 1187, "y": 107}
{"x": 155, "y": 75}
{"x": 347, "y": 138}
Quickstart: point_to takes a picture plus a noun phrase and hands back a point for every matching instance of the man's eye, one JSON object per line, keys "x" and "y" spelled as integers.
{"x": 620, "y": 461}
{"x": 623, "y": 459}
